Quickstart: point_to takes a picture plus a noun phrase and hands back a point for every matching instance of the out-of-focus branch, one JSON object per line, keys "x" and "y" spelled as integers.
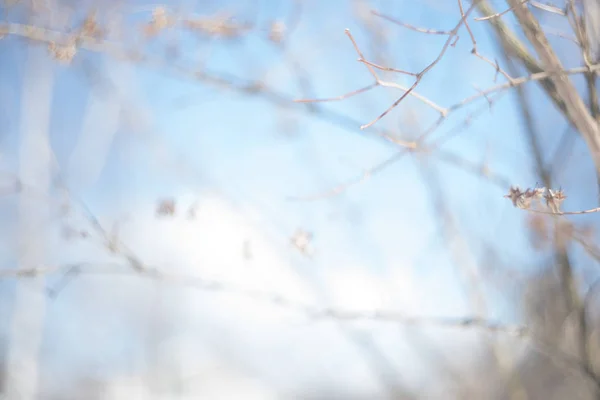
{"x": 29, "y": 311}
{"x": 531, "y": 131}
{"x": 574, "y": 105}
{"x": 548, "y": 8}
{"x": 573, "y": 300}
{"x": 464, "y": 260}
{"x": 499, "y": 14}
{"x": 561, "y": 254}
{"x": 578, "y": 26}
{"x": 421, "y": 146}
{"x": 314, "y": 313}
{"x": 257, "y": 88}
{"x": 134, "y": 267}
{"x": 520, "y": 51}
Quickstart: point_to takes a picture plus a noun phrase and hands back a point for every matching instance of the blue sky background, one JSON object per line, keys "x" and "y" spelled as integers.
{"x": 242, "y": 157}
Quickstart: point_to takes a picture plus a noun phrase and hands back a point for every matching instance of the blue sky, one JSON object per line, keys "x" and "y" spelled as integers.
{"x": 376, "y": 244}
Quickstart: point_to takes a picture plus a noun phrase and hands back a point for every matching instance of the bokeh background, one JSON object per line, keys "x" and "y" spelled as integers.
{"x": 175, "y": 224}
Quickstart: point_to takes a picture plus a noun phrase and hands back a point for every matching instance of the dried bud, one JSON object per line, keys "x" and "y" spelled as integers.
{"x": 536, "y": 193}
{"x": 514, "y": 193}
{"x": 554, "y": 199}
{"x": 525, "y": 199}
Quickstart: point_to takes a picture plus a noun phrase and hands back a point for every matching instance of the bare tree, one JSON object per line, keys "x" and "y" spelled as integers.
{"x": 558, "y": 328}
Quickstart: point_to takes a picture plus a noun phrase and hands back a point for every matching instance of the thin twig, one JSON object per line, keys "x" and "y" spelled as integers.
{"x": 338, "y": 98}
{"x": 521, "y": 80}
{"x": 499, "y": 14}
{"x": 428, "y": 68}
{"x": 590, "y": 211}
{"x": 418, "y": 76}
{"x": 387, "y": 69}
{"x": 311, "y": 311}
{"x": 378, "y": 82}
{"x": 411, "y": 27}
{"x": 548, "y": 8}
{"x": 474, "y": 50}
{"x": 419, "y": 146}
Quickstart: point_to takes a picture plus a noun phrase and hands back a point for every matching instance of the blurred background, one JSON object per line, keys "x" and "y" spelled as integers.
{"x": 202, "y": 199}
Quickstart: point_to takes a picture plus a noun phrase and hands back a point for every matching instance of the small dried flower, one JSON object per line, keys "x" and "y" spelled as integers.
{"x": 63, "y": 54}
{"x": 166, "y": 207}
{"x": 160, "y": 21}
{"x": 525, "y": 199}
{"x": 160, "y": 17}
{"x": 277, "y": 31}
{"x": 513, "y": 194}
{"x": 535, "y": 193}
{"x": 554, "y": 199}
{"x": 519, "y": 198}
{"x": 90, "y": 27}
{"x": 301, "y": 240}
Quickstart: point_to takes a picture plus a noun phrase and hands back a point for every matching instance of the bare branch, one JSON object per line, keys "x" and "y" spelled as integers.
{"x": 411, "y": 27}
{"x": 548, "y": 8}
{"x": 418, "y": 146}
{"x": 378, "y": 82}
{"x": 574, "y": 105}
{"x": 388, "y": 69}
{"x": 590, "y": 211}
{"x": 499, "y": 14}
{"x": 420, "y": 75}
{"x": 521, "y": 51}
{"x": 338, "y": 98}
{"x": 519, "y": 81}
